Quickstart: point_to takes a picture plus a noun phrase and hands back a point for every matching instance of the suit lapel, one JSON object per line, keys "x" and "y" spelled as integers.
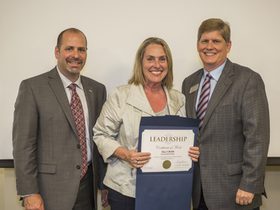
{"x": 192, "y": 94}
{"x": 138, "y": 99}
{"x": 173, "y": 102}
{"x": 58, "y": 89}
{"x": 221, "y": 88}
{"x": 88, "y": 90}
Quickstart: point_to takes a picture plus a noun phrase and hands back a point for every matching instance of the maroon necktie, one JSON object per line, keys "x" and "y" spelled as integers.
{"x": 78, "y": 115}
{"x": 203, "y": 99}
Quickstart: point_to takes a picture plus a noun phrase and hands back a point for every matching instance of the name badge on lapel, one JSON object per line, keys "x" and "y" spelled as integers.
{"x": 194, "y": 88}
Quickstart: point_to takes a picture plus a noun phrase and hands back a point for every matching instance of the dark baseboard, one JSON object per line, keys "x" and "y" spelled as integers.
{"x": 7, "y": 163}
{"x": 273, "y": 161}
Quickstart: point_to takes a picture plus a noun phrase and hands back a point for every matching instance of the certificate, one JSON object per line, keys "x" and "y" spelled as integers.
{"x": 168, "y": 148}
{"x": 165, "y": 182}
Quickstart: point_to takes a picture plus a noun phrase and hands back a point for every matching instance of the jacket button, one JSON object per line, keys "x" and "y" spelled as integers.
{"x": 78, "y": 167}
{"x": 78, "y": 146}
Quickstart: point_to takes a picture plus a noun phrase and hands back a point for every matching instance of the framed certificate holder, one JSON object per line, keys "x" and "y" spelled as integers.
{"x": 165, "y": 182}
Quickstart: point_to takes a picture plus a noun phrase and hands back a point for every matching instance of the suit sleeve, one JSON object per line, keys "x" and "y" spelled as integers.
{"x": 255, "y": 119}
{"x": 102, "y": 165}
{"x": 25, "y": 128}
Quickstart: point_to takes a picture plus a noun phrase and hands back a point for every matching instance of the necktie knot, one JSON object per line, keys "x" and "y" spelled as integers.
{"x": 72, "y": 86}
{"x": 208, "y": 76}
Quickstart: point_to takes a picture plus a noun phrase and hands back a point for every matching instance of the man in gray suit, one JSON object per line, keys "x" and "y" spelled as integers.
{"x": 234, "y": 131}
{"x": 46, "y": 142}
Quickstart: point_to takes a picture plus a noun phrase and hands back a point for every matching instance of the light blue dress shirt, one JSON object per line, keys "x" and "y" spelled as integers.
{"x": 216, "y": 73}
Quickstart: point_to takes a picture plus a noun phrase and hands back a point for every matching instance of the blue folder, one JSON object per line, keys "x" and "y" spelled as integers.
{"x": 164, "y": 190}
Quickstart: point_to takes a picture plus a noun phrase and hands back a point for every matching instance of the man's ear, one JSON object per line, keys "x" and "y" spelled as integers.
{"x": 56, "y": 52}
{"x": 228, "y": 46}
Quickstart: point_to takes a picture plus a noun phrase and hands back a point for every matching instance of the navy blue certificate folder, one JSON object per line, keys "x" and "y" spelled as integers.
{"x": 164, "y": 190}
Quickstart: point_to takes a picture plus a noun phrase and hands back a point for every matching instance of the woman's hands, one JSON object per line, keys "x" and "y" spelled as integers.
{"x": 194, "y": 153}
{"x": 134, "y": 158}
{"x": 139, "y": 159}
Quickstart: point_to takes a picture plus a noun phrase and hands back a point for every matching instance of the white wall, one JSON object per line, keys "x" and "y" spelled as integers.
{"x": 115, "y": 29}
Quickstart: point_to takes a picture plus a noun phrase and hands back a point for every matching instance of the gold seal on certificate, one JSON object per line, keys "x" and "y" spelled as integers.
{"x": 166, "y": 164}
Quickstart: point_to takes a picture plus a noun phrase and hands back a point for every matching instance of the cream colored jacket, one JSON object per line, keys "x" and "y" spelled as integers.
{"x": 118, "y": 125}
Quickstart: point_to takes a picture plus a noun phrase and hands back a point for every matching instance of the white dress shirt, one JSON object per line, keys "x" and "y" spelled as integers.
{"x": 80, "y": 91}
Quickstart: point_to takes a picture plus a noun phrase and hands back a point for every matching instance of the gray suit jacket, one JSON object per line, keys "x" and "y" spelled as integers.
{"x": 45, "y": 142}
{"x": 234, "y": 138}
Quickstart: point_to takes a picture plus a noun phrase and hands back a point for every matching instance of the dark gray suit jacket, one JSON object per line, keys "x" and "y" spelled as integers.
{"x": 234, "y": 138}
{"x": 45, "y": 142}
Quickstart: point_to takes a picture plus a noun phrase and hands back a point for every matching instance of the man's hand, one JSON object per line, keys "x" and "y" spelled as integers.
{"x": 194, "y": 153}
{"x": 33, "y": 202}
{"x": 104, "y": 198}
{"x": 243, "y": 197}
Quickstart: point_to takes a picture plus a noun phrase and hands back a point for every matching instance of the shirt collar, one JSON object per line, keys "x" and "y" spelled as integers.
{"x": 216, "y": 73}
{"x": 66, "y": 82}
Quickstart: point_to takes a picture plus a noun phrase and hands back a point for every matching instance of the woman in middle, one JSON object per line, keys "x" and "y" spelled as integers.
{"x": 148, "y": 93}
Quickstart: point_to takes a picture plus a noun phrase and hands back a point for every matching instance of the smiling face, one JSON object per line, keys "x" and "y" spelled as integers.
{"x": 155, "y": 65}
{"x": 71, "y": 55}
{"x": 212, "y": 49}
